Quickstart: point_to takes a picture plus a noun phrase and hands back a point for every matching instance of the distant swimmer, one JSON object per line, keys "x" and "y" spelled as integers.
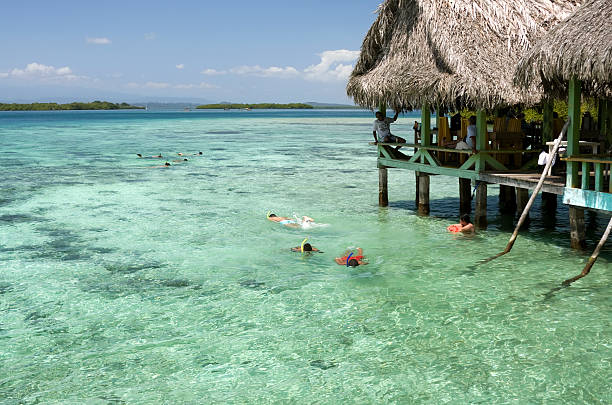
{"x": 181, "y": 160}
{"x": 464, "y": 225}
{"x": 305, "y": 247}
{"x": 304, "y": 222}
{"x": 158, "y": 156}
{"x": 198, "y": 154}
{"x": 288, "y": 222}
{"x": 139, "y": 155}
{"x": 165, "y": 165}
{"x": 193, "y": 154}
{"x": 350, "y": 259}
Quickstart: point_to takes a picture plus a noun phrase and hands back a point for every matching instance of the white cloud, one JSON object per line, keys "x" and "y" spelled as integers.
{"x": 39, "y": 70}
{"x": 180, "y": 66}
{"x": 332, "y": 66}
{"x": 272, "y": 71}
{"x": 132, "y": 85}
{"x": 3, "y": 74}
{"x": 213, "y": 72}
{"x": 201, "y": 85}
{"x": 98, "y": 41}
{"x": 157, "y": 85}
{"x": 149, "y": 36}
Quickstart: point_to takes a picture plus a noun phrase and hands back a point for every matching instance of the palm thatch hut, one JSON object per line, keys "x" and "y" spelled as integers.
{"x": 451, "y": 53}
{"x": 580, "y": 47}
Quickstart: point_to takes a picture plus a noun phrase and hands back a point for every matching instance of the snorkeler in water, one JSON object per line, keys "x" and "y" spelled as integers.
{"x": 305, "y": 247}
{"x": 350, "y": 259}
{"x": 304, "y": 222}
{"x": 181, "y": 160}
{"x": 165, "y": 165}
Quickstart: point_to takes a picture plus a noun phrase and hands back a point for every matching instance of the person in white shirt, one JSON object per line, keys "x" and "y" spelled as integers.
{"x": 381, "y": 130}
{"x": 470, "y": 139}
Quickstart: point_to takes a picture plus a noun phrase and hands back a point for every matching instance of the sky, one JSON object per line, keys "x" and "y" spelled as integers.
{"x": 213, "y": 51}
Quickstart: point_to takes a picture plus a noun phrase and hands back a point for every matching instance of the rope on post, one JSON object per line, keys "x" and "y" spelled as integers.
{"x": 593, "y": 257}
{"x": 533, "y": 195}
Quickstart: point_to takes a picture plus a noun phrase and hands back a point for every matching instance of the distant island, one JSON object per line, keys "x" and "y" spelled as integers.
{"x": 275, "y": 106}
{"x": 95, "y": 105}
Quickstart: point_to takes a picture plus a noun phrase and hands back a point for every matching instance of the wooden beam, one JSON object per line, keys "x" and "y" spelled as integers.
{"x": 573, "y": 131}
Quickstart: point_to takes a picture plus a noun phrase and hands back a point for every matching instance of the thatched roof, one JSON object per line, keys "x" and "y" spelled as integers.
{"x": 581, "y": 46}
{"x": 451, "y": 53}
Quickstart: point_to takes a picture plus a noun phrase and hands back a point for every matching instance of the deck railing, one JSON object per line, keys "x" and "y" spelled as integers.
{"x": 601, "y": 167}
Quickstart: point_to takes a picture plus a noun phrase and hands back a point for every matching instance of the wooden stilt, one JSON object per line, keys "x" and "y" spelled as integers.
{"x": 416, "y": 196}
{"x": 423, "y": 194}
{"x": 507, "y": 199}
{"x": 480, "y": 218}
{"x": 383, "y": 197}
{"x": 465, "y": 196}
{"x": 549, "y": 202}
{"x": 577, "y": 229}
{"x": 522, "y": 198}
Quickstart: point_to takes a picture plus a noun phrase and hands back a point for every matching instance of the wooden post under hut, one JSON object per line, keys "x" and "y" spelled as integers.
{"x": 383, "y": 197}
{"x": 577, "y": 229}
{"x": 423, "y": 207}
{"x": 480, "y": 217}
{"x": 522, "y": 198}
{"x": 465, "y": 196}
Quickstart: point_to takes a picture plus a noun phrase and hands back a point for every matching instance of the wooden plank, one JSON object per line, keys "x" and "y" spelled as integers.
{"x": 429, "y": 169}
{"x": 463, "y": 151}
{"x": 587, "y": 199}
{"x": 584, "y": 158}
{"x": 529, "y": 183}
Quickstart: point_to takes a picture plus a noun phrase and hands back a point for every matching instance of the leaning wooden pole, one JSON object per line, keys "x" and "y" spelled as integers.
{"x": 593, "y": 257}
{"x": 525, "y": 213}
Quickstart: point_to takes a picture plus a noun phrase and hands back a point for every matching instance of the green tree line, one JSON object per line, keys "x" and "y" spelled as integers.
{"x": 256, "y": 106}
{"x": 95, "y": 105}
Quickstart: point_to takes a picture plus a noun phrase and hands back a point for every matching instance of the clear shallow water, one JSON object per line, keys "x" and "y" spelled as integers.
{"x": 125, "y": 283}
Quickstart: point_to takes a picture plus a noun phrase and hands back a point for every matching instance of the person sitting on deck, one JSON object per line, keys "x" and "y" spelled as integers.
{"x": 464, "y": 225}
{"x": 350, "y": 259}
{"x": 381, "y": 130}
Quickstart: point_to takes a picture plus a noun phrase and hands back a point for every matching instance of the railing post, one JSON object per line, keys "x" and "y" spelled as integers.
{"x": 586, "y": 175}
{"x": 573, "y": 132}
{"x": 425, "y": 125}
{"x": 598, "y": 177}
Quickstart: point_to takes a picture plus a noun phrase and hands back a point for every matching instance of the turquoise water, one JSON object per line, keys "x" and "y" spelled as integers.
{"x": 123, "y": 283}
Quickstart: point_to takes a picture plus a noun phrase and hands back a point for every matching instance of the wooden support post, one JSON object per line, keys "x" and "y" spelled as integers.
{"x": 425, "y": 125}
{"x": 423, "y": 194}
{"x": 573, "y": 132}
{"x": 507, "y": 199}
{"x": 465, "y": 196}
{"x": 416, "y": 186}
{"x": 481, "y": 138}
{"x": 383, "y": 197}
{"x": 577, "y": 229}
{"x": 549, "y": 202}
{"x": 547, "y": 122}
{"x": 522, "y": 198}
{"x": 480, "y": 218}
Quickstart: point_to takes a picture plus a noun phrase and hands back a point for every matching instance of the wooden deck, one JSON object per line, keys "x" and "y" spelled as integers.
{"x": 554, "y": 184}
